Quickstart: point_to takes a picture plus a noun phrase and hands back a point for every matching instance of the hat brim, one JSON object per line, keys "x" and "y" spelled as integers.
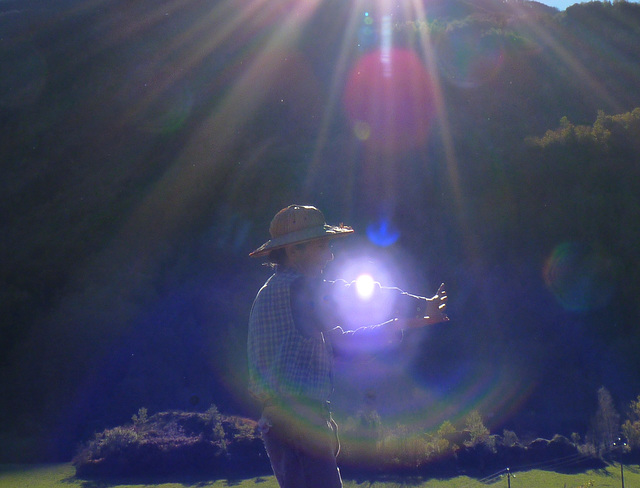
{"x": 322, "y": 232}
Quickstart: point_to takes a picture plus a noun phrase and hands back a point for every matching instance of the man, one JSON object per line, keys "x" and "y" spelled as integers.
{"x": 294, "y": 328}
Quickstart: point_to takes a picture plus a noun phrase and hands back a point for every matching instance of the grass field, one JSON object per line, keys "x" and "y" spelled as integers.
{"x": 63, "y": 476}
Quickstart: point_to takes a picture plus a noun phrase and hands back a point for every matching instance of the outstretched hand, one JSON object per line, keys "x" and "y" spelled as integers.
{"x": 434, "y": 313}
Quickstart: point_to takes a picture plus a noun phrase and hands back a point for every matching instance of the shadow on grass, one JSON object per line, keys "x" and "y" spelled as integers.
{"x": 397, "y": 476}
{"x": 396, "y": 479}
{"x": 633, "y": 469}
{"x": 570, "y": 465}
{"x": 576, "y": 466}
{"x": 191, "y": 481}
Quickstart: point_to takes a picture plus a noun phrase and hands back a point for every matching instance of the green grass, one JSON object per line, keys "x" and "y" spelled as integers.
{"x": 63, "y": 476}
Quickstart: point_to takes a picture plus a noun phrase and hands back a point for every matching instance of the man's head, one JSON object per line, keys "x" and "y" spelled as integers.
{"x": 299, "y": 234}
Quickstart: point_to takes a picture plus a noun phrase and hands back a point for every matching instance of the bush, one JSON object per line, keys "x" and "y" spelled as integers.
{"x": 631, "y": 427}
{"x": 367, "y": 445}
{"x": 170, "y": 443}
{"x": 209, "y": 443}
{"x": 477, "y": 430}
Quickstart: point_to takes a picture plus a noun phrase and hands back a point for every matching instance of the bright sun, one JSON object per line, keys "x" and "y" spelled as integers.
{"x": 364, "y": 286}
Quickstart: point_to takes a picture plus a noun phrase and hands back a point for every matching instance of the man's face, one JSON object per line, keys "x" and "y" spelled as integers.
{"x": 310, "y": 258}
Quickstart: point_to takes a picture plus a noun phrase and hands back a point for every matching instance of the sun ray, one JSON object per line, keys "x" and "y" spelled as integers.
{"x": 418, "y": 7}
{"x": 558, "y": 46}
{"x": 335, "y": 91}
{"x": 206, "y": 153}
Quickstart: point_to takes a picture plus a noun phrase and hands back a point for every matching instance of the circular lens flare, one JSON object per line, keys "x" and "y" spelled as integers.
{"x": 467, "y": 58}
{"x": 580, "y": 277}
{"x": 390, "y": 92}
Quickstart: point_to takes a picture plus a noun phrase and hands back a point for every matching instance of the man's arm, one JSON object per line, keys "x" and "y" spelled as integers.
{"x": 389, "y": 332}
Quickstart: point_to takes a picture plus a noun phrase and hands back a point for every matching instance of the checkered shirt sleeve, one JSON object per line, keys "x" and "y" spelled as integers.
{"x": 282, "y": 361}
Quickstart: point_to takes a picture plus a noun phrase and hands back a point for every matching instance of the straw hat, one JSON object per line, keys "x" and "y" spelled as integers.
{"x": 298, "y": 223}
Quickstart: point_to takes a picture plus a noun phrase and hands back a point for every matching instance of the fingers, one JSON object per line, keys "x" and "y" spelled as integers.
{"x": 434, "y": 312}
{"x": 441, "y": 297}
{"x": 441, "y": 293}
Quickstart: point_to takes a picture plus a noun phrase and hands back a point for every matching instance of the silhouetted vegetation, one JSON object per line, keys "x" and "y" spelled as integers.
{"x": 631, "y": 426}
{"x": 174, "y": 444}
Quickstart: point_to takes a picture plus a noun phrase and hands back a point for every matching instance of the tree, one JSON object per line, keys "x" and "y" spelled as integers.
{"x": 477, "y": 430}
{"x": 606, "y": 423}
{"x": 631, "y": 427}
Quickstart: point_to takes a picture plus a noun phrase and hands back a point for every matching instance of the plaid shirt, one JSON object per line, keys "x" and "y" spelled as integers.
{"x": 283, "y": 361}
{"x": 289, "y": 359}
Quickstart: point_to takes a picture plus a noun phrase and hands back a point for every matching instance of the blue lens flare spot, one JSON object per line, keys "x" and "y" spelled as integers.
{"x": 383, "y": 233}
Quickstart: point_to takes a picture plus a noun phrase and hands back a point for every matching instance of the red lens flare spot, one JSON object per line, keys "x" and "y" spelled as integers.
{"x": 390, "y": 93}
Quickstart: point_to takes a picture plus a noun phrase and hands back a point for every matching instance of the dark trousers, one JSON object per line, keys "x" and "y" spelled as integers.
{"x": 302, "y": 443}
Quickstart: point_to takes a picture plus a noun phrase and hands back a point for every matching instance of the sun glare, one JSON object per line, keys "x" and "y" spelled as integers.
{"x": 365, "y": 285}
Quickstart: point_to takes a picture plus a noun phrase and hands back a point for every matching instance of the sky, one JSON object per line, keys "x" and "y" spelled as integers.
{"x": 559, "y": 4}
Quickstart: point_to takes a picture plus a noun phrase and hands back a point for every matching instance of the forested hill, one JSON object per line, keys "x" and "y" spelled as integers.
{"x": 146, "y": 144}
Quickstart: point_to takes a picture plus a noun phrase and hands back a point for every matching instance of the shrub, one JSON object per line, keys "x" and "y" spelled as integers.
{"x": 631, "y": 427}
{"x": 561, "y": 447}
{"x": 443, "y": 440}
{"x": 477, "y": 430}
{"x": 368, "y": 445}
{"x": 404, "y": 449}
{"x": 114, "y": 440}
{"x": 173, "y": 443}
{"x": 361, "y": 438}
{"x": 509, "y": 438}
{"x": 141, "y": 418}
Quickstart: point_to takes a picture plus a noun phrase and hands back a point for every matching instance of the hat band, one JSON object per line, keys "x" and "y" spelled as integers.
{"x": 301, "y": 236}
